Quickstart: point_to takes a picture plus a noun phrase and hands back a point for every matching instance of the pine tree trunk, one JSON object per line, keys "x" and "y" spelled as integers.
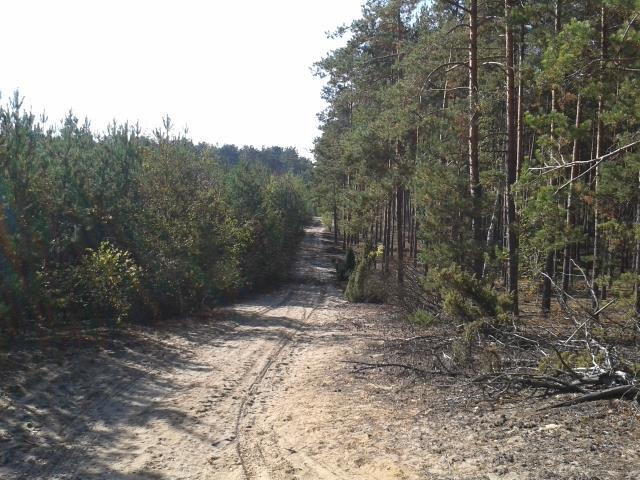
{"x": 546, "y": 284}
{"x": 636, "y": 266}
{"x": 491, "y": 232}
{"x": 511, "y": 158}
{"x": 415, "y": 243}
{"x": 549, "y": 259}
{"x": 474, "y": 115}
{"x": 400, "y": 215}
{"x": 387, "y": 237}
{"x": 411, "y": 221}
{"x": 520, "y": 141}
{"x": 392, "y": 214}
{"x": 384, "y": 238}
{"x": 377, "y": 227}
{"x": 599, "y": 141}
{"x": 335, "y": 224}
{"x": 571, "y": 214}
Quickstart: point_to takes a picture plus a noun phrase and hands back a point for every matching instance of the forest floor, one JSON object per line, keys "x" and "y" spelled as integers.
{"x": 278, "y": 388}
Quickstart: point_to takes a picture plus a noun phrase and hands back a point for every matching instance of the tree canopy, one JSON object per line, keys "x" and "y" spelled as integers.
{"x": 496, "y": 136}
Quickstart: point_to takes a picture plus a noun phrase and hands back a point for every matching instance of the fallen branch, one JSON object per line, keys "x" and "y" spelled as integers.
{"x": 410, "y": 339}
{"x": 369, "y": 366}
{"x": 623, "y": 391}
{"x": 534, "y": 381}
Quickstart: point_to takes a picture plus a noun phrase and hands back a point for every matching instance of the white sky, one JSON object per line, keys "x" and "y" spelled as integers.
{"x": 232, "y": 71}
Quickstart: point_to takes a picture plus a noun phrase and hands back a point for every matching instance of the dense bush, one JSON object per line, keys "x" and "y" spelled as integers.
{"x": 464, "y": 296}
{"x": 364, "y": 285}
{"x": 122, "y": 226}
{"x": 106, "y": 282}
{"x": 346, "y": 267}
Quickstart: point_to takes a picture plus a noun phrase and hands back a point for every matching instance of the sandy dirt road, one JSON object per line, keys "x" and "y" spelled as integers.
{"x": 267, "y": 389}
{"x": 220, "y": 397}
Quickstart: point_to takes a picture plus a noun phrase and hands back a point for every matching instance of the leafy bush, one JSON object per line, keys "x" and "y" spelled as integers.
{"x": 362, "y": 286}
{"x": 107, "y": 282}
{"x": 553, "y": 364}
{"x": 346, "y": 267}
{"x": 478, "y": 306}
{"x": 463, "y": 345}
{"x": 464, "y": 296}
{"x": 355, "y": 291}
{"x": 350, "y": 260}
{"x": 422, "y": 318}
{"x": 623, "y": 288}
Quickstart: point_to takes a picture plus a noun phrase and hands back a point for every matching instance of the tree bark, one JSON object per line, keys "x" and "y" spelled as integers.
{"x": 546, "y": 284}
{"x": 400, "y": 216}
{"x": 549, "y": 263}
{"x": 511, "y": 160}
{"x": 335, "y": 224}
{"x": 571, "y": 214}
{"x": 520, "y": 141}
{"x": 473, "y": 140}
{"x": 415, "y": 243}
{"x": 599, "y": 140}
{"x": 392, "y": 214}
{"x": 387, "y": 236}
{"x": 636, "y": 266}
{"x": 491, "y": 231}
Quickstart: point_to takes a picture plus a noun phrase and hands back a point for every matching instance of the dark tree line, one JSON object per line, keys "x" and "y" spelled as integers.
{"x": 275, "y": 159}
{"x": 98, "y": 229}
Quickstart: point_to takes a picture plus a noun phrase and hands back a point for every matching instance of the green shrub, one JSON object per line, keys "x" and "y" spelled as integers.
{"x": 456, "y": 306}
{"x": 463, "y": 345}
{"x": 346, "y": 267}
{"x": 422, "y": 318}
{"x": 350, "y": 260}
{"x": 355, "y": 291}
{"x": 376, "y": 287}
{"x": 107, "y": 281}
{"x": 465, "y": 297}
{"x": 553, "y": 364}
{"x": 623, "y": 289}
{"x": 363, "y": 285}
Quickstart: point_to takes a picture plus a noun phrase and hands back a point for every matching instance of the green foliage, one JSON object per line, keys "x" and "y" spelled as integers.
{"x": 356, "y": 288}
{"x": 554, "y": 364}
{"x": 623, "y": 289}
{"x": 399, "y": 116}
{"x": 401, "y": 121}
{"x": 122, "y": 226}
{"x": 543, "y": 229}
{"x": 275, "y": 160}
{"x": 106, "y": 283}
{"x": 422, "y": 318}
{"x": 567, "y": 52}
{"x": 465, "y": 297}
{"x": 350, "y": 260}
{"x": 346, "y": 267}
{"x": 364, "y": 284}
{"x": 463, "y": 345}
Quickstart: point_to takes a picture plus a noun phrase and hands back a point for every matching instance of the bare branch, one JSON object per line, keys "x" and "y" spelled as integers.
{"x": 593, "y": 161}
{"x": 598, "y": 161}
{"x": 495, "y": 64}
{"x": 626, "y": 31}
{"x": 452, "y": 65}
{"x": 460, "y": 25}
{"x": 453, "y": 3}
